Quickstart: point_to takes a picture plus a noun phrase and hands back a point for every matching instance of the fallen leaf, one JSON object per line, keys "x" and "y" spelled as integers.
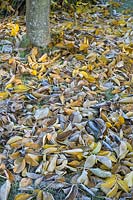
{"x": 3, "y": 95}
{"x": 123, "y": 185}
{"x": 109, "y": 182}
{"x": 100, "y": 173}
{"x": 105, "y": 160}
{"x": 41, "y": 113}
{"x": 113, "y": 191}
{"x": 48, "y": 196}
{"x": 72, "y": 193}
{"x": 129, "y": 179}
{"x": 5, "y": 190}
{"x": 90, "y": 161}
{"x": 22, "y": 196}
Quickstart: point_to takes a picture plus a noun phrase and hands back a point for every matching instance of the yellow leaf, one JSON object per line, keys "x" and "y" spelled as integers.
{"x": 90, "y": 67}
{"x": 79, "y": 57}
{"x": 84, "y": 74}
{"x": 84, "y": 68}
{"x": 109, "y": 183}
{"x": 15, "y": 155}
{"x": 129, "y": 147}
{"x": 88, "y": 77}
{"x": 33, "y": 72}
{"x": 74, "y": 163}
{"x": 39, "y": 195}
{"x": 9, "y": 86}
{"x": 123, "y": 185}
{"x": 84, "y": 45}
{"x": 108, "y": 124}
{"x": 14, "y": 139}
{"x": 97, "y": 148}
{"x": 113, "y": 191}
{"x": 75, "y": 72}
{"x": 112, "y": 158}
{"x": 14, "y": 29}
{"x": 121, "y": 120}
{"x": 4, "y": 95}
{"x": 104, "y": 117}
{"x": 21, "y": 88}
{"x": 22, "y": 196}
{"x": 43, "y": 58}
{"x": 129, "y": 179}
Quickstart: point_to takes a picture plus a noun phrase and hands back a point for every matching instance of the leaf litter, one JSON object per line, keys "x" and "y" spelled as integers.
{"x": 66, "y": 115}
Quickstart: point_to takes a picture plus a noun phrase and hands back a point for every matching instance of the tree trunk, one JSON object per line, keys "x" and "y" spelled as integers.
{"x": 37, "y": 22}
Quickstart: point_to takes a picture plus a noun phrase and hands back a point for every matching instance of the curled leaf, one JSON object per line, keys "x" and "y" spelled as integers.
{"x": 52, "y": 164}
{"x": 72, "y": 193}
{"x": 83, "y": 177}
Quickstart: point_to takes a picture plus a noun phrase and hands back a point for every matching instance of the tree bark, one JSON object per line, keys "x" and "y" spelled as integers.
{"x": 37, "y": 22}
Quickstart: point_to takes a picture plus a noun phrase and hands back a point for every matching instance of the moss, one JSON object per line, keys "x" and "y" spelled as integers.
{"x": 25, "y": 42}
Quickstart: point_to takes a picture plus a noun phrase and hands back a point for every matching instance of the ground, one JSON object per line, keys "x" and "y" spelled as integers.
{"x": 66, "y": 112}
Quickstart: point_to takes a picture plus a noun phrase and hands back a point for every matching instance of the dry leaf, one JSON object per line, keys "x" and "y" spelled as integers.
{"x": 5, "y": 190}
{"x": 4, "y": 95}
{"x": 52, "y": 164}
{"x": 48, "y": 196}
{"x": 129, "y": 179}
{"x": 19, "y": 165}
{"x": 109, "y": 182}
{"x": 105, "y": 160}
{"x": 83, "y": 177}
{"x": 72, "y": 193}
{"x": 41, "y": 113}
{"x": 123, "y": 185}
{"x": 22, "y": 196}
{"x": 90, "y": 161}
{"x": 100, "y": 173}
{"x": 113, "y": 191}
